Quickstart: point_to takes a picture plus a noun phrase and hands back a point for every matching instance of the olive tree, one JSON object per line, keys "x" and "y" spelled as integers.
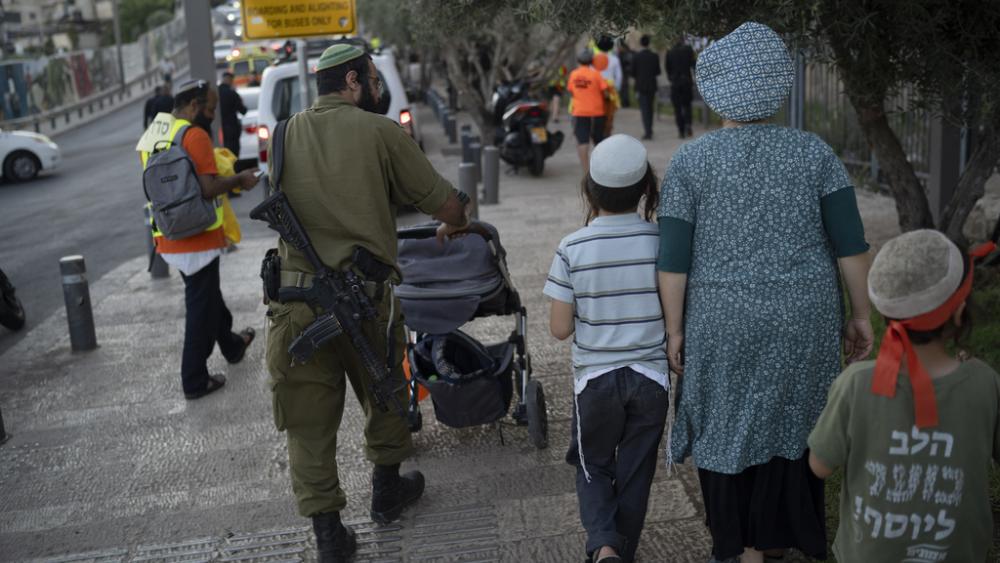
{"x": 480, "y": 44}
{"x": 945, "y": 50}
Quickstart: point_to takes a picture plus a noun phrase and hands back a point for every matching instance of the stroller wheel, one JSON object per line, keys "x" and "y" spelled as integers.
{"x": 538, "y": 418}
{"x": 416, "y": 420}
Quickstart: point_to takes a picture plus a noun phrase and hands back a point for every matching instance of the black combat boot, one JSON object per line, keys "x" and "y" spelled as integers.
{"x": 391, "y": 492}
{"x": 335, "y": 542}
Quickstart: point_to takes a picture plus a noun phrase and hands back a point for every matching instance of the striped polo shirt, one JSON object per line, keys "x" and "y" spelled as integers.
{"x": 607, "y": 270}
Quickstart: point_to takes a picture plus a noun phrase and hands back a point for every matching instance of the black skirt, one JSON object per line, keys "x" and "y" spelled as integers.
{"x": 778, "y": 504}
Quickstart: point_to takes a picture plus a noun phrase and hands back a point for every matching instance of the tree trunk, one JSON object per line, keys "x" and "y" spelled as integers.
{"x": 911, "y": 201}
{"x": 468, "y": 97}
{"x": 970, "y": 186}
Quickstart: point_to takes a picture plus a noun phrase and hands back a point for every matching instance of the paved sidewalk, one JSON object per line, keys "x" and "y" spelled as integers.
{"x": 108, "y": 462}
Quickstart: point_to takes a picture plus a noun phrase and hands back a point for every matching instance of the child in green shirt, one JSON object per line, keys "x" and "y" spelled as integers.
{"x": 915, "y": 430}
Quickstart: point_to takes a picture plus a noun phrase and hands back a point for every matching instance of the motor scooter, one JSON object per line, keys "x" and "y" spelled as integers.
{"x": 520, "y": 124}
{"x": 11, "y": 311}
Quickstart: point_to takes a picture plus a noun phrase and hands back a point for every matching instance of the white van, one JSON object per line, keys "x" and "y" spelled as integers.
{"x": 280, "y": 97}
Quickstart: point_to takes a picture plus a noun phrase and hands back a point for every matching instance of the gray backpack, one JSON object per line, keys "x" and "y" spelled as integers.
{"x": 174, "y": 193}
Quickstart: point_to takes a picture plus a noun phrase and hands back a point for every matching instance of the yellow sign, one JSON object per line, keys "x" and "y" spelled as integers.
{"x": 271, "y": 19}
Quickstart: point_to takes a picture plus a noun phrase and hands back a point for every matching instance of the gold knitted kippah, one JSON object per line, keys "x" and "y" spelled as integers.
{"x": 337, "y": 55}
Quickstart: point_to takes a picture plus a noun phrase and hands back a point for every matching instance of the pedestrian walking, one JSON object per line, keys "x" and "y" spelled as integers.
{"x": 611, "y": 100}
{"x": 346, "y": 170}
{"x": 645, "y": 69}
{"x": 588, "y": 89}
{"x": 754, "y": 221}
{"x": 680, "y": 63}
{"x": 231, "y": 107}
{"x": 207, "y": 319}
{"x": 626, "y": 56}
{"x": 932, "y": 423}
{"x": 603, "y": 289}
{"x": 160, "y": 102}
{"x": 555, "y": 90}
{"x": 167, "y": 69}
{"x": 613, "y": 71}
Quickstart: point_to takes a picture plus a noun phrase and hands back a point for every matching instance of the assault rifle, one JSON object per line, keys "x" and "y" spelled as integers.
{"x": 339, "y": 295}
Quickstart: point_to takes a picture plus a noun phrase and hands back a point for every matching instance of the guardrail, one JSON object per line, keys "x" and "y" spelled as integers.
{"x": 68, "y": 117}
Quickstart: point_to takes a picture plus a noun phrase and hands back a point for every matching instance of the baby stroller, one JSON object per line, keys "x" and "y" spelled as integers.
{"x": 445, "y": 286}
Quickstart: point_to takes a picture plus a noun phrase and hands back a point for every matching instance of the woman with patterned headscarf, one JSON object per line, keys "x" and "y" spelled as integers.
{"x": 757, "y": 224}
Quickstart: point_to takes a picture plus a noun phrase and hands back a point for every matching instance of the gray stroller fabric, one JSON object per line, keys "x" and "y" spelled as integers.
{"x": 444, "y": 283}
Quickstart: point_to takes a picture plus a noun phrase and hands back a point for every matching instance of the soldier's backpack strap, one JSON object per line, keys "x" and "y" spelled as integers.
{"x": 278, "y": 154}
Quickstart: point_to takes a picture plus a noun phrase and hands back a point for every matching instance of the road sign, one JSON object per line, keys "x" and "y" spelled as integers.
{"x": 271, "y": 19}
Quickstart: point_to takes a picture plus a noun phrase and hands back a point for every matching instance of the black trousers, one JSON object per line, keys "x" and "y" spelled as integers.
{"x": 680, "y": 97}
{"x": 621, "y": 416}
{"x": 231, "y": 139}
{"x": 646, "y": 102}
{"x": 207, "y": 321}
{"x": 682, "y": 115}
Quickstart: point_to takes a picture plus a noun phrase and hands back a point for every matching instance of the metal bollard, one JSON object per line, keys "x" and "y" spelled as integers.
{"x": 477, "y": 158}
{"x": 451, "y": 129}
{"x": 467, "y": 183}
{"x": 76, "y": 293}
{"x": 4, "y": 436}
{"x": 158, "y": 269}
{"x": 466, "y": 147}
{"x": 434, "y": 100}
{"x": 443, "y": 118}
{"x": 491, "y": 175}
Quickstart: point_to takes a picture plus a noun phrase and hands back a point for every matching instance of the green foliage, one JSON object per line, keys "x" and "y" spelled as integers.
{"x": 134, "y": 15}
{"x": 943, "y": 51}
{"x": 388, "y": 19}
{"x": 158, "y": 18}
{"x": 479, "y": 42}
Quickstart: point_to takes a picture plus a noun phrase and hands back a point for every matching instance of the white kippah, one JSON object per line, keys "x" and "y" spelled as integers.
{"x": 618, "y": 162}
{"x": 914, "y": 274}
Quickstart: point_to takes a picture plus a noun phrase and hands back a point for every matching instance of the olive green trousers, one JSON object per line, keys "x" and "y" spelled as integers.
{"x": 308, "y": 402}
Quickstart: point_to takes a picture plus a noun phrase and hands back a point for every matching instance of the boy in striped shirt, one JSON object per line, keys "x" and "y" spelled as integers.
{"x": 603, "y": 289}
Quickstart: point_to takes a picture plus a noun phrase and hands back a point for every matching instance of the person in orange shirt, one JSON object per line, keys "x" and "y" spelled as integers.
{"x": 588, "y": 88}
{"x": 207, "y": 319}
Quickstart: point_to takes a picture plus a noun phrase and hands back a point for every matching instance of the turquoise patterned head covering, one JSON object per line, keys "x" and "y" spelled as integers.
{"x": 746, "y": 75}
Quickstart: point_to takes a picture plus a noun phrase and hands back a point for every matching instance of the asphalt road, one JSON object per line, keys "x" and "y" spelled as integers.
{"x": 92, "y": 205}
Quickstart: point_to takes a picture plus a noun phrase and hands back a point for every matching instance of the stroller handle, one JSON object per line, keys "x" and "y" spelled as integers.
{"x": 430, "y": 231}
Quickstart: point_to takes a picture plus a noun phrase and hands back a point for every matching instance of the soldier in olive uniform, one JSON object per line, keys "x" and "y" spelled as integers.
{"x": 346, "y": 169}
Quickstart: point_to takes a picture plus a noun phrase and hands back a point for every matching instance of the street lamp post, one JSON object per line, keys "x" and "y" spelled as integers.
{"x": 198, "y": 23}
{"x": 3, "y": 28}
{"x": 118, "y": 42}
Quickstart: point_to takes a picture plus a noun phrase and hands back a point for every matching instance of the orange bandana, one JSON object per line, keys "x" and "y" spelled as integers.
{"x": 896, "y": 342}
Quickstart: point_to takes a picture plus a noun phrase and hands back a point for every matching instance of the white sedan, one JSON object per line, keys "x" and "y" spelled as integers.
{"x": 24, "y": 154}
{"x": 248, "y": 136}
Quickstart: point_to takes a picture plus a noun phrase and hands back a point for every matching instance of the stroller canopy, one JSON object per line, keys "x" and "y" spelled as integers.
{"x": 444, "y": 283}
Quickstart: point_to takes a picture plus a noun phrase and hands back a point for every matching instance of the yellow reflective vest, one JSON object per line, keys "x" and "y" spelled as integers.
{"x": 164, "y": 131}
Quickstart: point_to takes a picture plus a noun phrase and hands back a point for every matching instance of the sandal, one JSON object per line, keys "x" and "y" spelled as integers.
{"x": 215, "y": 382}
{"x": 609, "y": 558}
{"x": 247, "y": 335}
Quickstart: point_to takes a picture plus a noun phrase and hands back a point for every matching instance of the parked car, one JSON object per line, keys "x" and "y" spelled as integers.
{"x": 280, "y": 97}
{"x": 248, "y": 138}
{"x": 24, "y": 154}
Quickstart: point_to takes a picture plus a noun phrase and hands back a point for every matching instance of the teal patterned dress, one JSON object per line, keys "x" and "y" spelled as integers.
{"x": 763, "y": 309}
